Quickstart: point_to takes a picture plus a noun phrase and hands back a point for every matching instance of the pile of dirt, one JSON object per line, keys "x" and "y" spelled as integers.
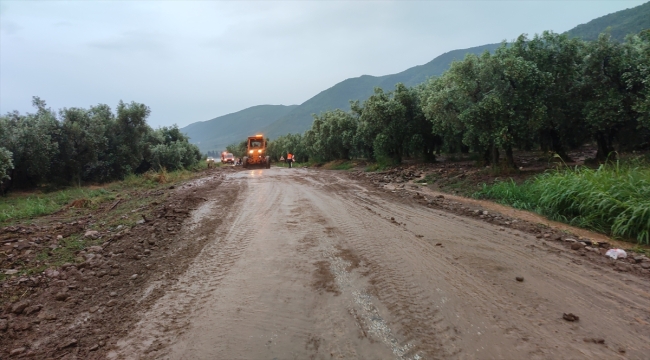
{"x": 77, "y": 310}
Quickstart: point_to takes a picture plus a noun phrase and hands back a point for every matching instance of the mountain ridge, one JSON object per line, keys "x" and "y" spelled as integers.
{"x": 298, "y": 118}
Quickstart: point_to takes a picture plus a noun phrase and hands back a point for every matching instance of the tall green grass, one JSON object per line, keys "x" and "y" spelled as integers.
{"x": 21, "y": 206}
{"x": 613, "y": 199}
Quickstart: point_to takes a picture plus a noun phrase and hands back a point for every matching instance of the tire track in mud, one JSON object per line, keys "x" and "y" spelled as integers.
{"x": 412, "y": 312}
{"x": 483, "y": 269}
{"x": 169, "y": 316}
{"x": 341, "y": 261}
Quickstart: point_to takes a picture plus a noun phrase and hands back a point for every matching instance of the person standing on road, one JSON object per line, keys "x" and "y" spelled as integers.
{"x": 289, "y": 159}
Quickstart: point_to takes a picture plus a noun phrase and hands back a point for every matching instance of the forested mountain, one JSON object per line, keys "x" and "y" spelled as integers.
{"x": 217, "y": 133}
{"x": 299, "y": 118}
{"x": 618, "y": 24}
{"x": 360, "y": 88}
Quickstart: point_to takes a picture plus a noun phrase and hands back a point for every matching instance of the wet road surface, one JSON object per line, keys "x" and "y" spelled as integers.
{"x": 309, "y": 264}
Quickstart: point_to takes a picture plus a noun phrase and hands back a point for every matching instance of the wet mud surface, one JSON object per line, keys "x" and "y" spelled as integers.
{"x": 309, "y": 264}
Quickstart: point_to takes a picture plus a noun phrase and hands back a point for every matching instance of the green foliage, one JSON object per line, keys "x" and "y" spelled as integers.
{"x": 550, "y": 92}
{"x": 171, "y": 150}
{"x": 82, "y": 145}
{"x": 331, "y": 136}
{"x": 612, "y": 199}
{"x": 290, "y": 143}
{"x": 6, "y": 164}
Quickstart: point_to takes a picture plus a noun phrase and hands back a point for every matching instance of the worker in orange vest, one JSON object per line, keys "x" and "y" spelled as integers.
{"x": 289, "y": 159}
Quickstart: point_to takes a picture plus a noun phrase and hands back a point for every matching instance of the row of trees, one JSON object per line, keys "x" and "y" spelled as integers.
{"x": 550, "y": 92}
{"x": 78, "y": 145}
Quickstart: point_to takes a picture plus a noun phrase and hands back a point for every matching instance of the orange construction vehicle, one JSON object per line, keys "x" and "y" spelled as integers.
{"x": 256, "y": 152}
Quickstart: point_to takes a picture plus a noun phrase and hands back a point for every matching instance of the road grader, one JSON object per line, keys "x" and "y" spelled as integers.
{"x": 256, "y": 153}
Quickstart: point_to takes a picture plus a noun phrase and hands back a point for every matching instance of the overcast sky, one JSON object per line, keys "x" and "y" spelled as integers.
{"x": 193, "y": 61}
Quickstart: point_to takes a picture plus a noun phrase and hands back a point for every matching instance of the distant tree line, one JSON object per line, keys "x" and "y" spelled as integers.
{"x": 550, "y": 92}
{"x": 79, "y": 145}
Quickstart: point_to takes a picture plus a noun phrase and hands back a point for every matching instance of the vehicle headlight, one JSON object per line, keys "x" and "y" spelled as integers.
{"x": 250, "y": 152}
{"x": 259, "y": 151}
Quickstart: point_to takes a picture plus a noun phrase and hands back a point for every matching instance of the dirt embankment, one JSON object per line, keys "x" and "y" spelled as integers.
{"x": 81, "y": 308}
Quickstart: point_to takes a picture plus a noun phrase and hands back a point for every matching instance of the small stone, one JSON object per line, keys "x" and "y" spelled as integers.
{"x": 68, "y": 343}
{"x": 520, "y": 278}
{"x": 502, "y": 229}
{"x": 140, "y": 222}
{"x": 594, "y": 340}
{"x": 114, "y": 272}
{"x": 95, "y": 249}
{"x": 61, "y": 296}
{"x": 19, "y": 307}
{"x": 623, "y": 267}
{"x": 570, "y": 240}
{"x": 22, "y": 326}
{"x": 11, "y": 272}
{"x": 638, "y": 259}
{"x": 645, "y": 265}
{"x": 47, "y": 315}
{"x": 3, "y": 325}
{"x": 51, "y": 273}
{"x": 91, "y": 234}
{"x": 111, "y": 303}
{"x": 546, "y": 236}
{"x": 134, "y": 276}
{"x": 576, "y": 246}
{"x": 93, "y": 309}
{"x": 17, "y": 351}
{"x": 33, "y": 309}
{"x": 485, "y": 213}
{"x": 570, "y": 317}
{"x": 94, "y": 347}
{"x": 59, "y": 237}
{"x": 102, "y": 343}
{"x": 113, "y": 294}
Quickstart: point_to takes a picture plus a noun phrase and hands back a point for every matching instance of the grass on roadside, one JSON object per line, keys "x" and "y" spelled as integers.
{"x": 21, "y": 206}
{"x": 612, "y": 199}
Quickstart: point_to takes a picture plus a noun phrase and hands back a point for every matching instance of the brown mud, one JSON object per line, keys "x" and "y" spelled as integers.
{"x": 309, "y": 264}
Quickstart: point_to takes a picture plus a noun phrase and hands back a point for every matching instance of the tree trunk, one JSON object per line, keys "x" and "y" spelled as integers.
{"x": 604, "y": 146}
{"x": 492, "y": 155}
{"x": 510, "y": 158}
{"x": 558, "y": 147}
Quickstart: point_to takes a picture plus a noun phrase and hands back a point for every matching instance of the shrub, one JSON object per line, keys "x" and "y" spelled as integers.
{"x": 612, "y": 199}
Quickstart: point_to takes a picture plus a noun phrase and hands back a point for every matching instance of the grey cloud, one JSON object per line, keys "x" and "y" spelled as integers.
{"x": 132, "y": 41}
{"x": 9, "y": 27}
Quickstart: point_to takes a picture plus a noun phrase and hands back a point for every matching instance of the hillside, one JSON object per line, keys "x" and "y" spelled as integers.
{"x": 217, "y": 133}
{"x": 297, "y": 119}
{"x": 360, "y": 88}
{"x": 619, "y": 24}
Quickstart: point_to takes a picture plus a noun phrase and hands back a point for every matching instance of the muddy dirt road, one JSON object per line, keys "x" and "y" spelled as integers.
{"x": 308, "y": 264}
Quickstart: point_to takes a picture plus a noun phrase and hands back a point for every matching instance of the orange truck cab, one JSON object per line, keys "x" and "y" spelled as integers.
{"x": 256, "y": 152}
